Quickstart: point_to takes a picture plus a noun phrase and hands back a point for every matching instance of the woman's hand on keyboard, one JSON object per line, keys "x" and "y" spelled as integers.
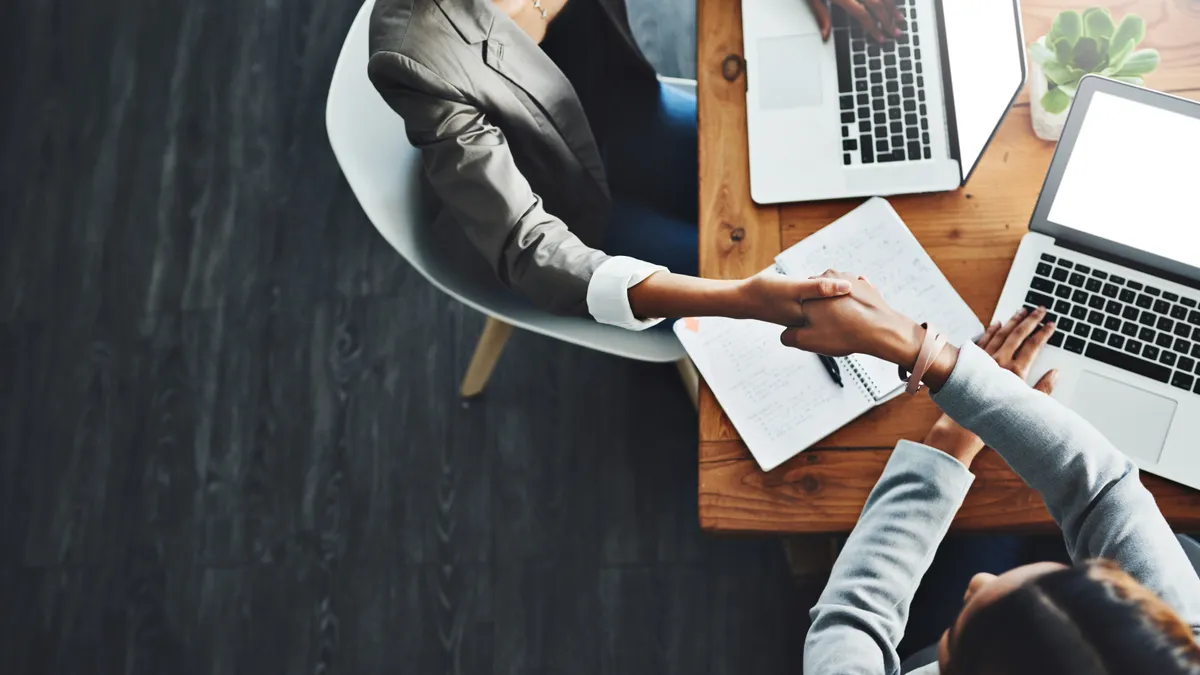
{"x": 879, "y": 18}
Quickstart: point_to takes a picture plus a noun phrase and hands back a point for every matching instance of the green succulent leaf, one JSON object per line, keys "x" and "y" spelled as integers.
{"x": 1067, "y": 26}
{"x": 1098, "y": 23}
{"x": 1056, "y": 101}
{"x": 1062, "y": 50}
{"x": 1118, "y": 54}
{"x": 1133, "y": 27}
{"x": 1139, "y": 63}
{"x": 1062, "y": 75}
{"x": 1086, "y": 55}
{"x": 1131, "y": 79}
{"x": 1040, "y": 53}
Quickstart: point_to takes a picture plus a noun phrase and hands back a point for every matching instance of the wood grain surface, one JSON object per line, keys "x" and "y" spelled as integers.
{"x": 972, "y": 235}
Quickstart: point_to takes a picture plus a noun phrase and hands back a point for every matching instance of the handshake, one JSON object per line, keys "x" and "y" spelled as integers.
{"x": 834, "y": 314}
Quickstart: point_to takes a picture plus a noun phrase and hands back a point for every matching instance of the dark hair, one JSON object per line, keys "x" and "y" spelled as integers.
{"x": 1088, "y": 620}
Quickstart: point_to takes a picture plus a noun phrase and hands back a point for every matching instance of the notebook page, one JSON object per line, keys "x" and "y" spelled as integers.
{"x": 872, "y": 241}
{"x": 779, "y": 399}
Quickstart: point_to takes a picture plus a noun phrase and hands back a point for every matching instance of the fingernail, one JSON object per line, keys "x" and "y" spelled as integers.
{"x": 1041, "y": 310}
{"x": 841, "y": 286}
{"x": 896, "y": 32}
{"x": 1053, "y": 377}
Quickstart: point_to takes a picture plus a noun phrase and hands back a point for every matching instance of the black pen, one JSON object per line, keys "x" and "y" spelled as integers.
{"x": 831, "y": 367}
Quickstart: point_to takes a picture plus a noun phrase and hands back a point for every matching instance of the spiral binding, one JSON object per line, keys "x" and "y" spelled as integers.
{"x": 865, "y": 382}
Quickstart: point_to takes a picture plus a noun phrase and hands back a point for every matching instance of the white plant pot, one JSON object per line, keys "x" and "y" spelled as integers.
{"x": 1047, "y": 126}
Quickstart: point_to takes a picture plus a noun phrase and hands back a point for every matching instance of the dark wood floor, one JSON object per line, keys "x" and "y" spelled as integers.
{"x": 229, "y": 435}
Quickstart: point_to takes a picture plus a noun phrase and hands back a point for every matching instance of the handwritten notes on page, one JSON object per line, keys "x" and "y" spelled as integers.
{"x": 779, "y": 399}
{"x": 873, "y": 242}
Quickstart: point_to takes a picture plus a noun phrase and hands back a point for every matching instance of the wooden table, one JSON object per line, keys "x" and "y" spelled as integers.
{"x": 972, "y": 235}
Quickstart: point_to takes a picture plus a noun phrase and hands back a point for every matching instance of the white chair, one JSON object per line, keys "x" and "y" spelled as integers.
{"x": 385, "y": 174}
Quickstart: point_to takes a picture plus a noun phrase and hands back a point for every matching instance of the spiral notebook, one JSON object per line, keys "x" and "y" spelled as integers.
{"x": 781, "y": 400}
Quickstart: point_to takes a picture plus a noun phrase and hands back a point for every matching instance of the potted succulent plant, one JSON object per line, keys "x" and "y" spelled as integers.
{"x": 1079, "y": 44}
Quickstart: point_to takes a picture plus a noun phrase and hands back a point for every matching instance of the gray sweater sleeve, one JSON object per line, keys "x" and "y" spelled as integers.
{"x": 859, "y": 619}
{"x": 1091, "y": 489}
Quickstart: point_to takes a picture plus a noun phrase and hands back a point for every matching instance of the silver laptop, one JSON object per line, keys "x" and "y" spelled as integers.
{"x": 1114, "y": 252}
{"x": 853, "y": 118}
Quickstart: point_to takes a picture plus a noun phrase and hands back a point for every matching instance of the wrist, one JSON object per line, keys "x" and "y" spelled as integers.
{"x": 947, "y": 436}
{"x": 901, "y": 342}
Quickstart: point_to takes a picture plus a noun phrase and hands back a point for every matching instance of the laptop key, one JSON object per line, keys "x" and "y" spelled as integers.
{"x": 1076, "y": 280}
{"x": 1186, "y": 363}
{"x": 1059, "y": 274}
{"x": 1113, "y": 307}
{"x": 1150, "y": 352}
{"x": 1062, "y": 307}
{"x": 1093, "y": 285}
{"x": 1135, "y": 285}
{"x": 1099, "y": 334}
{"x": 1125, "y": 362}
{"x": 1127, "y": 295}
{"x": 1112, "y": 323}
{"x": 1133, "y": 347}
{"x": 1178, "y": 312}
{"x": 868, "y": 155}
{"x": 1100, "y": 274}
{"x": 1168, "y": 295}
{"x": 1162, "y": 306}
{"x": 1095, "y": 318}
{"x": 1181, "y": 346}
{"x": 1065, "y": 324}
{"x": 1079, "y": 296}
{"x": 1146, "y": 334}
{"x": 1183, "y": 330}
{"x": 1096, "y": 302}
{"x": 1073, "y": 344}
{"x": 1153, "y": 291}
{"x": 1144, "y": 301}
{"x": 1196, "y": 350}
{"x": 1079, "y": 312}
{"x": 1194, "y": 318}
{"x": 1167, "y": 358}
{"x": 1056, "y": 340}
{"x": 1183, "y": 381}
{"x": 1082, "y": 329}
{"x": 1130, "y": 313}
{"x": 1187, "y": 302}
{"x": 1116, "y": 341}
{"x": 1166, "y": 324}
{"x": 1147, "y": 318}
{"x": 1039, "y": 299}
{"x": 1164, "y": 340}
{"x": 1109, "y": 291}
{"x": 1129, "y": 328}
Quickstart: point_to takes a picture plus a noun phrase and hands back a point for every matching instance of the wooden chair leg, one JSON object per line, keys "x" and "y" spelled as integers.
{"x": 691, "y": 379}
{"x": 487, "y": 352}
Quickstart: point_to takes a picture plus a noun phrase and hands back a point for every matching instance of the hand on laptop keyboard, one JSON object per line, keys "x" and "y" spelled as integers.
{"x": 879, "y": 18}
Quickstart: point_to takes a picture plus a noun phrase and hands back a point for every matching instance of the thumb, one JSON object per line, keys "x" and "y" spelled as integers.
{"x": 1046, "y": 384}
{"x": 821, "y": 287}
{"x": 792, "y": 337}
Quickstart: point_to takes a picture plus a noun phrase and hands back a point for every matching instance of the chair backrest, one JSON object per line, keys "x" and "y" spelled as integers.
{"x": 384, "y": 171}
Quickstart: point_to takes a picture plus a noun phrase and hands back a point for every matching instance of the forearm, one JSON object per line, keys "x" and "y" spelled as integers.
{"x": 665, "y": 294}
{"x": 860, "y": 617}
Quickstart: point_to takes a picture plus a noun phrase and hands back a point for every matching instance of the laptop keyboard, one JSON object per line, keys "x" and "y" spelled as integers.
{"x": 882, "y": 92}
{"x": 1121, "y": 322}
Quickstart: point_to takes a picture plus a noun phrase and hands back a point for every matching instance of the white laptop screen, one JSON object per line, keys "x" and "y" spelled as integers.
{"x": 1132, "y": 178}
{"x": 984, "y": 51}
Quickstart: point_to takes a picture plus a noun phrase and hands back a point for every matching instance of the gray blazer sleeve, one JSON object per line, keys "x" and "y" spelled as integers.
{"x": 472, "y": 170}
{"x": 1091, "y": 489}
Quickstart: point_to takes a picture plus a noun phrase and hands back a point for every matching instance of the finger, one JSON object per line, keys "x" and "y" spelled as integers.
{"x": 1046, "y": 384}
{"x": 987, "y": 334}
{"x": 885, "y": 15}
{"x": 791, "y": 338}
{"x": 821, "y": 287}
{"x": 1007, "y": 327}
{"x": 821, "y": 11}
{"x": 1024, "y": 329}
{"x": 860, "y": 13}
{"x": 1028, "y": 352}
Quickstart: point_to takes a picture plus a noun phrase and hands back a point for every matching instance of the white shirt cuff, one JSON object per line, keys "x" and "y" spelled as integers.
{"x": 608, "y": 291}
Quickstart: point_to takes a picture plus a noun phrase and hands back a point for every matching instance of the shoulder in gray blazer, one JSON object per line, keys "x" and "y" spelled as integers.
{"x": 503, "y": 137}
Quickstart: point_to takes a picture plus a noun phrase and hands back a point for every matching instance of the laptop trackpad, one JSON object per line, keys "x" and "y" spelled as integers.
{"x": 1135, "y": 420}
{"x": 789, "y": 71}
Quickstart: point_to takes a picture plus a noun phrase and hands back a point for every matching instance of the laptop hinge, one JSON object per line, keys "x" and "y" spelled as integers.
{"x": 1126, "y": 262}
{"x": 948, "y": 92}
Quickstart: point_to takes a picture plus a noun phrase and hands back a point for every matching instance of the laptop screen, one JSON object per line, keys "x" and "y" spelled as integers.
{"x": 987, "y": 67}
{"x": 1131, "y": 178}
